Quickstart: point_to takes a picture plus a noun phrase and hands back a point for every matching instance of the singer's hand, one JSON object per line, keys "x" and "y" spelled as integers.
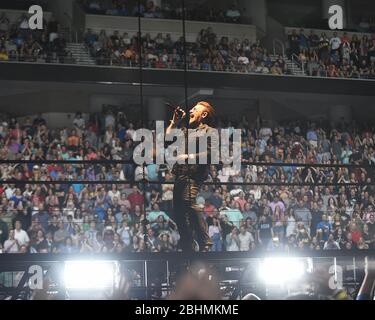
{"x": 178, "y": 115}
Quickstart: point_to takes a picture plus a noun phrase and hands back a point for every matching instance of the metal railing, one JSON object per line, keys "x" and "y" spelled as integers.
{"x": 296, "y": 61}
{"x": 280, "y": 44}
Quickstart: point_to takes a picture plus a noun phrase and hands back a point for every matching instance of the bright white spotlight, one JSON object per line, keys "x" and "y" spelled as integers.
{"x": 89, "y": 274}
{"x": 278, "y": 271}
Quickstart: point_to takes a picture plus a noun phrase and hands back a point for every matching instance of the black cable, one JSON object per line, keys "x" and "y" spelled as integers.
{"x": 185, "y": 63}
{"x": 286, "y": 184}
{"x": 140, "y": 45}
{"x": 186, "y": 97}
{"x": 244, "y": 162}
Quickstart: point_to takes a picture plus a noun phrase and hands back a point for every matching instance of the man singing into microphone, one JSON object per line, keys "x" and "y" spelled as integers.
{"x": 189, "y": 177}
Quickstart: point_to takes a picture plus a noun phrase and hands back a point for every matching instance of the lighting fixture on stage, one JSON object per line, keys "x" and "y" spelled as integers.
{"x": 201, "y": 93}
{"x": 90, "y": 274}
{"x": 281, "y": 270}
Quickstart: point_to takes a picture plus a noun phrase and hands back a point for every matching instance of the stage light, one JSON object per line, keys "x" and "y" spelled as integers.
{"x": 89, "y": 274}
{"x": 278, "y": 271}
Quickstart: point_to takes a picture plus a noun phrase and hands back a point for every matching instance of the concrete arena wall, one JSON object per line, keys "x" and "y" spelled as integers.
{"x": 164, "y": 26}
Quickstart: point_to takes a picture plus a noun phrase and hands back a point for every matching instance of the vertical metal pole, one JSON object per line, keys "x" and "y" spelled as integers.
{"x": 168, "y": 273}
{"x": 168, "y": 279}
{"x": 354, "y": 270}
{"x": 146, "y": 278}
{"x": 335, "y": 268}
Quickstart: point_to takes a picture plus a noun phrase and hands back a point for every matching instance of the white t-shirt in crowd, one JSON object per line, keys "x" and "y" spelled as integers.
{"x": 21, "y": 236}
{"x": 245, "y": 240}
{"x": 212, "y": 230}
{"x": 243, "y": 60}
{"x": 265, "y": 133}
{"x": 233, "y": 13}
{"x": 233, "y": 244}
{"x": 335, "y": 43}
{"x": 109, "y": 120}
{"x": 127, "y": 40}
{"x": 79, "y": 122}
{"x": 9, "y": 192}
{"x": 112, "y": 194}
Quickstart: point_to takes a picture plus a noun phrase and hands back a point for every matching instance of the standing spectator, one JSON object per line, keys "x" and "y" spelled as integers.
{"x": 233, "y": 213}
{"x": 293, "y": 42}
{"x": 324, "y": 227}
{"x": 316, "y": 217}
{"x": 79, "y": 121}
{"x": 290, "y": 223}
{"x": 214, "y": 231}
{"x": 324, "y": 48}
{"x": 335, "y": 43}
{"x": 21, "y": 235}
{"x": 302, "y": 40}
{"x": 232, "y": 241}
{"x": 53, "y": 29}
{"x": 136, "y": 198}
{"x": 245, "y": 239}
{"x": 265, "y": 231}
{"x": 233, "y": 14}
{"x": 276, "y": 202}
{"x": 303, "y": 214}
{"x": 313, "y": 40}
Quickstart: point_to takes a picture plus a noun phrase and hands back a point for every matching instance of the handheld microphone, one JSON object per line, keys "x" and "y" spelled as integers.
{"x": 171, "y": 107}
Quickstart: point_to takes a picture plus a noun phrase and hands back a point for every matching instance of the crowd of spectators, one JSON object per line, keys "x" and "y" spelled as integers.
{"x": 138, "y": 216}
{"x": 340, "y": 55}
{"x": 19, "y": 43}
{"x": 337, "y": 56}
{"x": 168, "y": 10}
{"x": 208, "y": 53}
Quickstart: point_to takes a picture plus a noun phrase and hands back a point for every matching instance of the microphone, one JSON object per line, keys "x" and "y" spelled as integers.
{"x": 174, "y": 109}
{"x": 171, "y": 107}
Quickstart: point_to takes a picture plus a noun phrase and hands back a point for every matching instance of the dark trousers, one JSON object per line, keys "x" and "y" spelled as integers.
{"x": 189, "y": 218}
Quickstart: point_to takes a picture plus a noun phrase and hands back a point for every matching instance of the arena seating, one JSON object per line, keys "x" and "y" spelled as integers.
{"x": 292, "y": 208}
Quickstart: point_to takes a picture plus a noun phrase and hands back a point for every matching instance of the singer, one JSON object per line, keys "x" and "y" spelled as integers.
{"x": 189, "y": 177}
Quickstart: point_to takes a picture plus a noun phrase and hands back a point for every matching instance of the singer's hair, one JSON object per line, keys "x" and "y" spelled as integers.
{"x": 210, "y": 110}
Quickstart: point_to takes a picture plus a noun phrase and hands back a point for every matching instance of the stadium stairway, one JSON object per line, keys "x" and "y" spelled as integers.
{"x": 80, "y": 54}
{"x": 292, "y": 66}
